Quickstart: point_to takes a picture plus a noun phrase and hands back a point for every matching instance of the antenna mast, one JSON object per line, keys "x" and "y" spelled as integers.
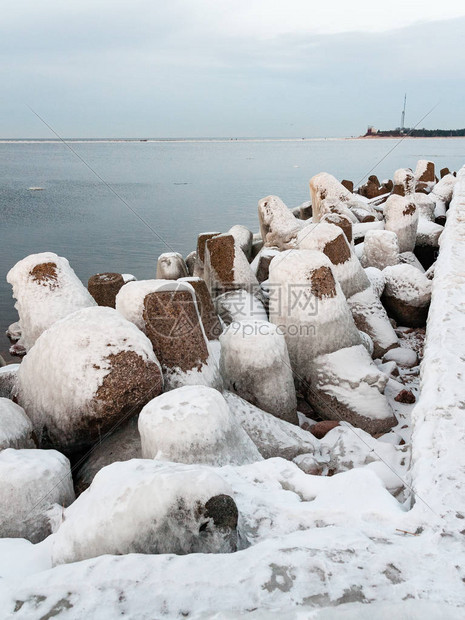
{"x": 402, "y": 121}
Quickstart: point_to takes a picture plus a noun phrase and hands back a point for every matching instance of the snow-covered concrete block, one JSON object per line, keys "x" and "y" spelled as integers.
{"x": 381, "y": 249}
{"x": 404, "y": 182}
{"x": 171, "y": 266}
{"x": 210, "y": 320}
{"x": 99, "y": 370}
{"x": 278, "y": 225}
{"x": 240, "y": 305}
{"x": 200, "y": 252}
{"x": 143, "y": 506}
{"x": 46, "y": 290}
{"x": 35, "y": 485}
{"x": 407, "y": 294}
{"x": 8, "y": 376}
{"x": 15, "y": 426}
{"x": 193, "y": 424}
{"x": 255, "y": 364}
{"x": 243, "y": 237}
{"x": 226, "y": 267}
{"x": 401, "y": 217}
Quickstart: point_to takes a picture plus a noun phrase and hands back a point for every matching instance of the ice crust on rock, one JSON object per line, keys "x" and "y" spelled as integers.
{"x": 272, "y": 436}
{"x": 255, "y": 364}
{"x": 381, "y": 249}
{"x": 46, "y": 290}
{"x": 100, "y": 368}
{"x": 324, "y": 186}
{"x": 193, "y": 424}
{"x": 15, "y": 426}
{"x": 143, "y": 506}
{"x": 34, "y": 486}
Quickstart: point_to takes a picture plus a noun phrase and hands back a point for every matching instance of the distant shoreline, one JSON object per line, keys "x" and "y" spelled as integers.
{"x": 216, "y": 140}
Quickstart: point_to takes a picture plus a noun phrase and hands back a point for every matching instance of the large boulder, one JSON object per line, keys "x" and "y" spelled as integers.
{"x": 168, "y": 312}
{"x": 255, "y": 365}
{"x": 174, "y": 327}
{"x": 46, "y": 290}
{"x": 332, "y": 366}
{"x": 100, "y": 369}
{"x": 143, "y": 506}
{"x": 193, "y": 424}
{"x": 407, "y": 295}
{"x": 35, "y": 486}
{"x": 401, "y": 217}
{"x": 15, "y": 426}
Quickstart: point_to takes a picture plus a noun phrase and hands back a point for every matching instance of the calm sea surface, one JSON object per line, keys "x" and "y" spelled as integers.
{"x": 180, "y": 188}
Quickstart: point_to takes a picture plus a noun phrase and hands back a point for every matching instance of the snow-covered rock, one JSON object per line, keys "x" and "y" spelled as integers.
{"x": 407, "y": 358}
{"x": 200, "y": 252}
{"x": 15, "y": 426}
{"x": 226, "y": 267}
{"x": 377, "y": 280}
{"x": 99, "y": 370}
{"x": 143, "y": 506}
{"x": 14, "y": 331}
{"x": 425, "y": 205}
{"x": 240, "y": 305}
{"x": 342, "y": 221}
{"x": 401, "y": 217}
{"x": 104, "y": 287}
{"x": 174, "y": 327}
{"x": 425, "y": 177}
{"x": 404, "y": 182}
{"x": 8, "y": 376}
{"x": 381, "y": 249}
{"x": 123, "y": 444}
{"x": 193, "y": 424}
{"x": 334, "y": 369}
{"x": 261, "y": 263}
{"x": 190, "y": 262}
{"x": 255, "y": 365}
{"x": 243, "y": 237}
{"x": 273, "y": 436}
{"x": 46, "y": 289}
{"x": 428, "y": 233}
{"x": 171, "y": 266}
{"x": 330, "y": 239}
{"x": 324, "y": 186}
{"x": 278, "y": 226}
{"x": 35, "y": 485}
{"x": 407, "y": 294}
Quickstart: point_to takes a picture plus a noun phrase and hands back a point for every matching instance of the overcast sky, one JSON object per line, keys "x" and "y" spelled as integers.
{"x": 173, "y": 68}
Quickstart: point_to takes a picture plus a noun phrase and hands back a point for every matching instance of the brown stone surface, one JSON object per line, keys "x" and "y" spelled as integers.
{"x": 173, "y": 327}
{"x": 348, "y": 185}
{"x": 263, "y": 269}
{"x": 222, "y": 251}
{"x": 387, "y": 187}
{"x": 201, "y": 242}
{"x": 405, "y": 396}
{"x": 428, "y": 175}
{"x": 210, "y": 320}
{"x": 444, "y": 172}
{"x": 405, "y": 314}
{"x": 337, "y": 250}
{"x": 320, "y": 429}
{"x": 45, "y": 274}
{"x": 339, "y": 220}
{"x": 409, "y": 209}
{"x": 323, "y": 284}
{"x": 131, "y": 383}
{"x": 104, "y": 287}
